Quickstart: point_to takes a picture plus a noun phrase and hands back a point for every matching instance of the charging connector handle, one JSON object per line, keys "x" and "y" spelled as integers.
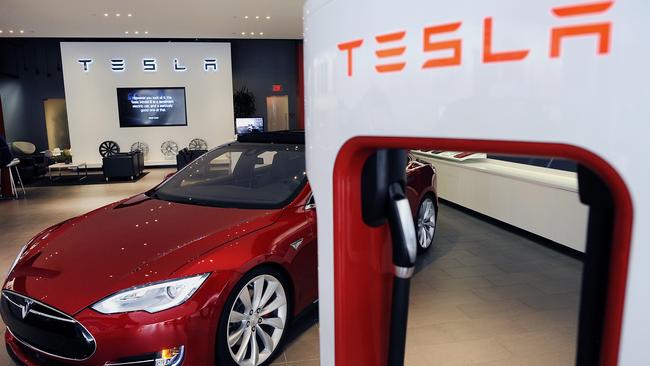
{"x": 402, "y": 230}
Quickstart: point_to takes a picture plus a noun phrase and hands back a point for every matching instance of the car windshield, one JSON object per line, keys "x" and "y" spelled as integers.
{"x": 244, "y": 175}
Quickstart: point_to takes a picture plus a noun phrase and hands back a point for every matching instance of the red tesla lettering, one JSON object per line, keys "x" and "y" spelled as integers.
{"x": 489, "y": 56}
{"x": 390, "y": 52}
{"x": 349, "y": 46}
{"x": 454, "y": 45}
{"x": 601, "y": 30}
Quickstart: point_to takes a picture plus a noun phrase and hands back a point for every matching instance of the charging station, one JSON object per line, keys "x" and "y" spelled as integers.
{"x": 554, "y": 78}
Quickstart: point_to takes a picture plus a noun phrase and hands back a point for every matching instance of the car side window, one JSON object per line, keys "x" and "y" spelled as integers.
{"x": 266, "y": 159}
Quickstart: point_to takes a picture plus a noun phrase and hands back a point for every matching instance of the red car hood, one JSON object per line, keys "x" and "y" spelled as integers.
{"x": 125, "y": 244}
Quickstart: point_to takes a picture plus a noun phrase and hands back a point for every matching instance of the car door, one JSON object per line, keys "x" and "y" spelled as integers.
{"x": 305, "y": 256}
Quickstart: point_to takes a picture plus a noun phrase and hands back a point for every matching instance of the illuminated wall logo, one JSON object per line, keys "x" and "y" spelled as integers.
{"x": 85, "y": 63}
{"x": 209, "y": 64}
{"x": 178, "y": 67}
{"x": 149, "y": 65}
{"x": 118, "y": 64}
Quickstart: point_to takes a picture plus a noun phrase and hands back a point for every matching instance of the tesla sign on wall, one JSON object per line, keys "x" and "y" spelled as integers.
{"x": 148, "y": 64}
{"x": 94, "y": 71}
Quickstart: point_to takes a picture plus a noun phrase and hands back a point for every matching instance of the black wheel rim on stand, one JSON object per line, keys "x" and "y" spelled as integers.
{"x": 108, "y": 148}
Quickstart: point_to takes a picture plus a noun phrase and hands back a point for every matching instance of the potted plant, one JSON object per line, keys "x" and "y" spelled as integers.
{"x": 244, "y": 102}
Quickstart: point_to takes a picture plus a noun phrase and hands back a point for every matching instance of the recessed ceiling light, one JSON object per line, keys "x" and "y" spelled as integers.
{"x": 136, "y": 32}
{"x": 10, "y": 31}
{"x": 129, "y": 14}
{"x": 268, "y": 17}
{"x": 243, "y": 33}
{"x": 146, "y": 32}
{"x": 22, "y": 31}
{"x": 261, "y": 33}
{"x": 105, "y": 14}
{"x": 252, "y": 33}
{"x": 117, "y": 15}
{"x": 1, "y": 31}
{"x": 126, "y": 32}
{"x": 257, "y": 17}
{"x": 245, "y": 16}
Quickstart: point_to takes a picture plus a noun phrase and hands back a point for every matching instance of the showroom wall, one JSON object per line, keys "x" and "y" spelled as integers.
{"x": 90, "y": 93}
{"x": 260, "y": 64}
{"x": 30, "y": 72}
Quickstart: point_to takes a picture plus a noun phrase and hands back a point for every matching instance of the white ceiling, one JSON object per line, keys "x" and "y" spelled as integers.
{"x": 160, "y": 18}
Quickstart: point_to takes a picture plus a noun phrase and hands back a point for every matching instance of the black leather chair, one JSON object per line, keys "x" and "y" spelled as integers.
{"x": 186, "y": 156}
{"x": 32, "y": 164}
{"x": 123, "y": 165}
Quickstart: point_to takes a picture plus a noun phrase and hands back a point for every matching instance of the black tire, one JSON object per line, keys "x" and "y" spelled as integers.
{"x": 426, "y": 200}
{"x": 223, "y": 354}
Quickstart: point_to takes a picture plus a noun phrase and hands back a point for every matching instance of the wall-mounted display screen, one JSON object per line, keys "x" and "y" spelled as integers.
{"x": 147, "y": 107}
{"x": 249, "y": 125}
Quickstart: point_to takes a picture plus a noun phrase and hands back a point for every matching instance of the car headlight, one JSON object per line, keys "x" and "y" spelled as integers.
{"x": 152, "y": 297}
{"x": 20, "y": 254}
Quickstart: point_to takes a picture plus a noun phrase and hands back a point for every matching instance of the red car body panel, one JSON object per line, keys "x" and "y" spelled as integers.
{"x": 143, "y": 240}
{"x": 421, "y": 180}
{"x": 118, "y": 246}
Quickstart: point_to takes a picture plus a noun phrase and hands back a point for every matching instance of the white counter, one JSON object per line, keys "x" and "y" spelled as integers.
{"x": 539, "y": 200}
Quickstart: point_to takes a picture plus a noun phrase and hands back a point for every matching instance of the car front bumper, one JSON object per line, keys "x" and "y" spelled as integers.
{"x": 125, "y": 337}
{"x": 139, "y": 335}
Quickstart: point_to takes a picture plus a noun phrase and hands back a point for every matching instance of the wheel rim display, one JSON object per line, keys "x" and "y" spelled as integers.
{"x": 140, "y": 146}
{"x": 169, "y": 149}
{"x": 426, "y": 223}
{"x": 108, "y": 148}
{"x": 256, "y": 321}
{"x": 198, "y": 144}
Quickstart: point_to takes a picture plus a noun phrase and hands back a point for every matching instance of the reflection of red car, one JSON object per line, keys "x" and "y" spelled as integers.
{"x": 209, "y": 266}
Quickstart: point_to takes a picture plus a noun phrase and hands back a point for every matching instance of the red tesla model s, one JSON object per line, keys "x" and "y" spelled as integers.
{"x": 208, "y": 267}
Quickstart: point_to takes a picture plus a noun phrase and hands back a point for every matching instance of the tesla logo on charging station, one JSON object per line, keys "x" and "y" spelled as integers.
{"x": 210, "y": 64}
{"x": 391, "y": 48}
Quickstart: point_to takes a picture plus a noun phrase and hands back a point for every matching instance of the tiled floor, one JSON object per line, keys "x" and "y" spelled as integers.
{"x": 482, "y": 295}
{"x": 485, "y": 296}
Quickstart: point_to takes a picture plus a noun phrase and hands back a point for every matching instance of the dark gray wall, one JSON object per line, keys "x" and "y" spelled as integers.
{"x": 259, "y": 64}
{"x": 30, "y": 72}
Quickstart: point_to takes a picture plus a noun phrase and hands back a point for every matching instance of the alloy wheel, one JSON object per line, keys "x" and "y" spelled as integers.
{"x": 426, "y": 223}
{"x": 257, "y": 321}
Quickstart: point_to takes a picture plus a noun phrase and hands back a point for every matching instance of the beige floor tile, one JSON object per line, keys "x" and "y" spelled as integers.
{"x": 553, "y": 359}
{"x": 552, "y": 302}
{"x": 501, "y": 309}
{"x": 473, "y": 271}
{"x": 464, "y": 353}
{"x": 434, "y": 298}
{"x": 477, "y": 329}
{"x": 538, "y": 343}
{"x": 505, "y": 293}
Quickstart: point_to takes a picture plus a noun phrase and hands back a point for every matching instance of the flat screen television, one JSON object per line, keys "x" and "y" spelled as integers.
{"x": 148, "y": 107}
{"x": 249, "y": 125}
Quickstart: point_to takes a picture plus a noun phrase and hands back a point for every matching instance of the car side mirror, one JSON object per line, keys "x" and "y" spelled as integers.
{"x": 311, "y": 204}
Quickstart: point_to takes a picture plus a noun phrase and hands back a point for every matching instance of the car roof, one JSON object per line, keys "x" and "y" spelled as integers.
{"x": 278, "y": 137}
